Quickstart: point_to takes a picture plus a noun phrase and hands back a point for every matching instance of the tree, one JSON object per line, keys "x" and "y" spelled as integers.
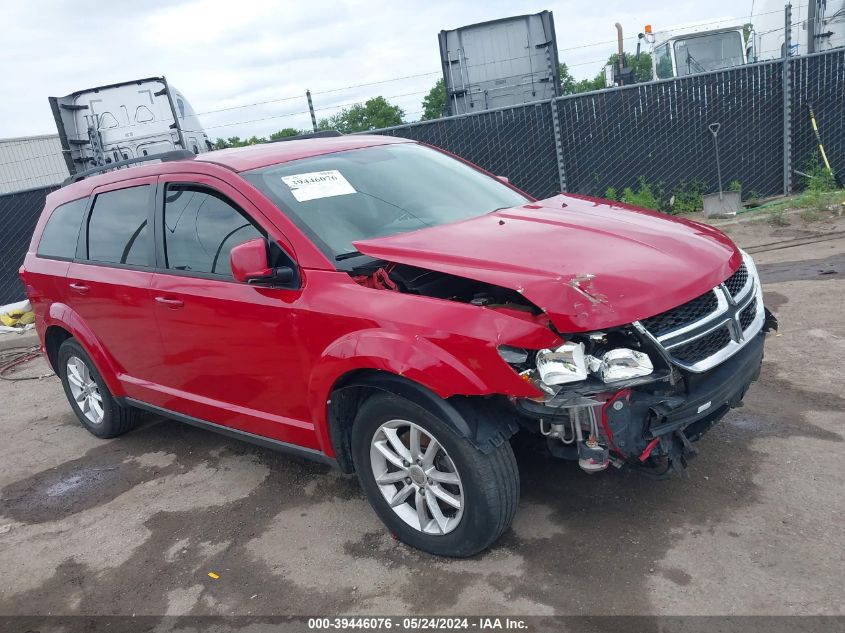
{"x": 288, "y": 131}
{"x": 373, "y": 114}
{"x": 434, "y": 103}
{"x": 237, "y": 141}
{"x": 567, "y": 81}
{"x": 641, "y": 66}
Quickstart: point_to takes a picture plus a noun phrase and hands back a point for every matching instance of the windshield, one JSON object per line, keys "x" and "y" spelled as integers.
{"x": 701, "y": 53}
{"x": 358, "y": 194}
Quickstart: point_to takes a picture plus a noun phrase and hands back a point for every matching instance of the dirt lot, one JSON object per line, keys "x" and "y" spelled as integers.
{"x": 134, "y": 525}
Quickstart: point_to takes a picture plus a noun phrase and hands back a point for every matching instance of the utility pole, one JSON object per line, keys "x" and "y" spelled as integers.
{"x": 311, "y": 109}
{"x": 787, "y": 102}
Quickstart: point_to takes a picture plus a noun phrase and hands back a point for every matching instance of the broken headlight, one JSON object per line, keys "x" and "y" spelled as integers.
{"x": 620, "y": 364}
{"x": 562, "y": 365}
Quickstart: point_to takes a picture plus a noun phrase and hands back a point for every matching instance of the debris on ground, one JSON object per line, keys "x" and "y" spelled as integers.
{"x": 17, "y": 317}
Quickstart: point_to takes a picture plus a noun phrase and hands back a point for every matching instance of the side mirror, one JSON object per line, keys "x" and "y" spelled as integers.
{"x": 504, "y": 179}
{"x": 250, "y": 264}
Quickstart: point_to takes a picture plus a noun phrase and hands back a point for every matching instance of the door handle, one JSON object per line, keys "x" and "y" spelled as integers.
{"x": 169, "y": 302}
{"x": 79, "y": 288}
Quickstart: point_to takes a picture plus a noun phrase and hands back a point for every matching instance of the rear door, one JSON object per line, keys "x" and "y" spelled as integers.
{"x": 108, "y": 282}
{"x": 231, "y": 352}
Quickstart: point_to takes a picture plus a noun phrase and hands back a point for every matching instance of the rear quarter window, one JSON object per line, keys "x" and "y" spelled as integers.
{"x": 117, "y": 227}
{"x": 62, "y": 230}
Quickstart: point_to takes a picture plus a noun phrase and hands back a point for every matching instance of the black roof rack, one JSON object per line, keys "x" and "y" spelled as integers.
{"x": 164, "y": 157}
{"x": 299, "y": 137}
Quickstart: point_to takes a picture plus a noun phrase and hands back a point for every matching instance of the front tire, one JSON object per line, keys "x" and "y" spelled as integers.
{"x": 431, "y": 488}
{"x": 89, "y": 397}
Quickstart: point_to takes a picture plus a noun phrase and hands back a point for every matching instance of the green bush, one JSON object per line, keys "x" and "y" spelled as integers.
{"x": 688, "y": 196}
{"x": 611, "y": 193}
{"x": 735, "y": 186}
{"x": 644, "y": 196}
{"x": 817, "y": 177}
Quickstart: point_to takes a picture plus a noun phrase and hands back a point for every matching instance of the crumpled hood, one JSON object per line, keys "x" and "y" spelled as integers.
{"x": 586, "y": 263}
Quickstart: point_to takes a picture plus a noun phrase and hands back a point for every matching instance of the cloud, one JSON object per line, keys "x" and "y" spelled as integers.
{"x": 223, "y": 54}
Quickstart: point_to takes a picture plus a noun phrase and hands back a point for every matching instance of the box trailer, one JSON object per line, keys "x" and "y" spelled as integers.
{"x": 501, "y": 63}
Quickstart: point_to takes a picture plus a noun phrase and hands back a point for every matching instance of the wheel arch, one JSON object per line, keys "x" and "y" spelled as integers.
{"x": 63, "y": 323}
{"x": 54, "y": 336}
{"x": 484, "y": 421}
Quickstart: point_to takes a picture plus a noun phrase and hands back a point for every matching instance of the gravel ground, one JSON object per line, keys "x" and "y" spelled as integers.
{"x": 134, "y": 525}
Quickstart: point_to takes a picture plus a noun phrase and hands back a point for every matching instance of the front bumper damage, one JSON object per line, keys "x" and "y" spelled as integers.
{"x": 651, "y": 423}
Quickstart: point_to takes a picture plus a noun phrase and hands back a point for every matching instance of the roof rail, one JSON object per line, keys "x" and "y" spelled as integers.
{"x": 299, "y": 137}
{"x": 164, "y": 157}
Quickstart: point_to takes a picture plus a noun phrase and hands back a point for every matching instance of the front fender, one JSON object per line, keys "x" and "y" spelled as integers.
{"x": 63, "y": 316}
{"x": 415, "y": 358}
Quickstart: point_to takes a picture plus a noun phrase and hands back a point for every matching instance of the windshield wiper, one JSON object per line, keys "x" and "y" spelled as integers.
{"x": 348, "y": 255}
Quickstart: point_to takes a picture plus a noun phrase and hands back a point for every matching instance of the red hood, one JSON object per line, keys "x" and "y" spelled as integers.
{"x": 587, "y": 264}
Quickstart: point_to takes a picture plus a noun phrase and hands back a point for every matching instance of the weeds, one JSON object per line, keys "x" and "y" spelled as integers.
{"x": 817, "y": 177}
{"x": 688, "y": 197}
{"x": 778, "y": 217}
{"x": 809, "y": 215}
{"x": 644, "y": 196}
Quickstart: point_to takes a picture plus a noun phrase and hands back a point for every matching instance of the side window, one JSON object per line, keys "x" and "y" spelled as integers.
{"x": 200, "y": 228}
{"x": 663, "y": 62}
{"x": 62, "y": 230}
{"x": 117, "y": 227}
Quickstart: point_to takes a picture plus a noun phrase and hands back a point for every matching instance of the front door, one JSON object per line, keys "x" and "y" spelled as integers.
{"x": 230, "y": 349}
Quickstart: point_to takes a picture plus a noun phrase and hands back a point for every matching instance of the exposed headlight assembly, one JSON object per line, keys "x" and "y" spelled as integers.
{"x": 620, "y": 364}
{"x": 562, "y": 365}
{"x": 568, "y": 363}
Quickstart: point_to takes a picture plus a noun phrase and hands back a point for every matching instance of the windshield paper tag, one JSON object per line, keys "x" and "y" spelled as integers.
{"x": 318, "y": 184}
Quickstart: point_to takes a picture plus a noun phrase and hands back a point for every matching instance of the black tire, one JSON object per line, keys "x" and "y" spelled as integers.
{"x": 490, "y": 483}
{"x": 116, "y": 419}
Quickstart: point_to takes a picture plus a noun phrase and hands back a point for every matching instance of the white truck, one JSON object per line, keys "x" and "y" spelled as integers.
{"x": 123, "y": 121}
{"x": 686, "y": 50}
{"x": 691, "y": 49}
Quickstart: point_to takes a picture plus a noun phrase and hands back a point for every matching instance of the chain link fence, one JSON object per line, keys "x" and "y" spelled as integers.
{"x": 19, "y": 213}
{"x": 659, "y": 133}
{"x": 818, "y": 81}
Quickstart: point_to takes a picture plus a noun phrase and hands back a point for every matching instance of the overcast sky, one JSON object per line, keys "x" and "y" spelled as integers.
{"x": 227, "y": 53}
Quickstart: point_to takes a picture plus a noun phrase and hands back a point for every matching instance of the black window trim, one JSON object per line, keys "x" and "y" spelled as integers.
{"x": 85, "y": 211}
{"x": 82, "y": 241}
{"x": 161, "y": 248}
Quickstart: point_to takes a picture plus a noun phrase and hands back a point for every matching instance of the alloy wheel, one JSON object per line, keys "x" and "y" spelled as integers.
{"x": 417, "y": 477}
{"x": 84, "y": 390}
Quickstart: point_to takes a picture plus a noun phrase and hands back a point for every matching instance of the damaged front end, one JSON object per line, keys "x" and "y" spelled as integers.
{"x": 641, "y": 395}
{"x": 648, "y": 422}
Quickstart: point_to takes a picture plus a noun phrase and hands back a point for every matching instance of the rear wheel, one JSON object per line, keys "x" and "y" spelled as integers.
{"x": 430, "y": 487}
{"x": 90, "y": 399}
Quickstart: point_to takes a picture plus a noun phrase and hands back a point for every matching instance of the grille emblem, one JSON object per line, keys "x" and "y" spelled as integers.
{"x": 732, "y": 311}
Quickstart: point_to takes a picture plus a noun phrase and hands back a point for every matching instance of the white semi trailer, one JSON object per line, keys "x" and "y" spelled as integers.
{"x": 817, "y": 26}
{"x": 126, "y": 120}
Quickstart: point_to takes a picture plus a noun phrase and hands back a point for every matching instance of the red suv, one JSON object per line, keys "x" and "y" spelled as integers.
{"x": 382, "y": 306}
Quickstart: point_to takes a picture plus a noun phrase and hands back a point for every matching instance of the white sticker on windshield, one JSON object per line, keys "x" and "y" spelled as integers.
{"x": 318, "y": 184}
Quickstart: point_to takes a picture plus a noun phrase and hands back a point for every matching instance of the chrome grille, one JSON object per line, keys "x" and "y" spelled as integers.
{"x": 736, "y": 282}
{"x": 687, "y": 313}
{"x": 703, "y": 332}
{"x": 746, "y": 317}
{"x": 698, "y": 349}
